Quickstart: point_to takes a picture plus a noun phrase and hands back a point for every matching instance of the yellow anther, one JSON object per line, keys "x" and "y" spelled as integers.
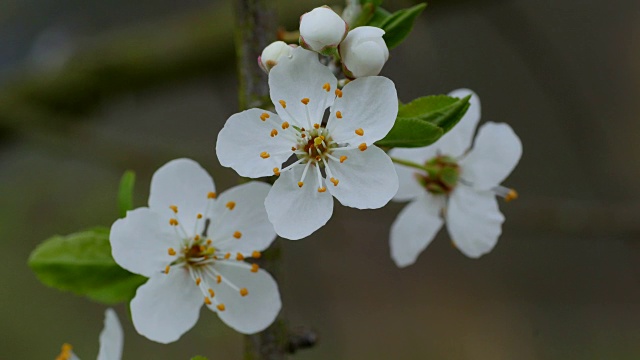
{"x": 237, "y": 234}
{"x": 211, "y": 293}
{"x": 362, "y": 147}
{"x": 172, "y": 252}
{"x": 211, "y": 195}
{"x": 256, "y": 254}
{"x": 202, "y": 248}
{"x": 274, "y": 132}
{"x": 196, "y": 238}
{"x": 300, "y": 183}
{"x": 173, "y": 222}
{"x": 174, "y": 208}
{"x": 207, "y": 301}
{"x": 334, "y": 181}
{"x": 227, "y": 255}
{"x": 254, "y": 268}
{"x": 285, "y": 125}
{"x": 305, "y": 101}
{"x": 276, "y": 171}
{"x": 244, "y": 292}
{"x": 65, "y": 352}
{"x": 239, "y": 257}
{"x": 264, "y": 116}
{"x": 293, "y": 148}
{"x": 322, "y": 189}
{"x": 342, "y": 159}
{"x": 326, "y": 87}
{"x": 318, "y": 157}
{"x": 166, "y": 269}
{"x": 511, "y": 195}
{"x": 359, "y": 132}
{"x": 339, "y": 93}
{"x": 218, "y": 279}
{"x": 230, "y": 205}
{"x": 198, "y": 281}
{"x": 199, "y": 216}
{"x": 321, "y": 137}
{"x": 283, "y": 104}
{"x": 264, "y": 155}
{"x": 303, "y": 136}
{"x": 339, "y": 114}
{"x": 317, "y": 141}
{"x": 209, "y": 241}
{"x": 220, "y": 307}
{"x": 316, "y": 126}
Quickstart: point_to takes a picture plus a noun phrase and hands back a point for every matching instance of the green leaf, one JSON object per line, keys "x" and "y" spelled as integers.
{"x": 379, "y": 17}
{"x": 411, "y": 132}
{"x": 82, "y": 263}
{"x": 125, "y": 193}
{"x": 398, "y": 26}
{"x": 374, "y": 2}
{"x": 366, "y": 13}
{"x": 440, "y": 110}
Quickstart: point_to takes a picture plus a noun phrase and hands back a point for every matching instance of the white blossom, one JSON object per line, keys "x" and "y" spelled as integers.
{"x": 363, "y": 52}
{"x": 459, "y": 185}
{"x": 315, "y": 159}
{"x": 111, "y": 340}
{"x": 272, "y": 53}
{"x": 322, "y": 29}
{"x": 191, "y": 244}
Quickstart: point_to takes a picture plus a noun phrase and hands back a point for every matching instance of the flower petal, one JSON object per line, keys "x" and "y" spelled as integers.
{"x": 297, "y": 77}
{"x": 142, "y": 231}
{"x": 296, "y": 212}
{"x": 245, "y": 138}
{"x": 182, "y": 183}
{"x": 248, "y": 218}
{"x": 458, "y": 140}
{"x": 415, "y": 227}
{"x": 251, "y": 313}
{"x": 496, "y": 152}
{"x": 367, "y": 179}
{"x": 111, "y": 337}
{"x": 409, "y": 187}
{"x": 167, "y": 306}
{"x": 474, "y": 220}
{"x": 369, "y": 104}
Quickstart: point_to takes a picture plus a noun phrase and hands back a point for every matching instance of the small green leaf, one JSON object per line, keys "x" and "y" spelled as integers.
{"x": 379, "y": 17}
{"x": 82, "y": 263}
{"x": 440, "y": 110}
{"x": 398, "y": 26}
{"x": 125, "y": 193}
{"x": 374, "y": 2}
{"x": 199, "y": 358}
{"x": 411, "y": 132}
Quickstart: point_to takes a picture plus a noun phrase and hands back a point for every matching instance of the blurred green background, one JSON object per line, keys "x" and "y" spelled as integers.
{"x": 81, "y": 102}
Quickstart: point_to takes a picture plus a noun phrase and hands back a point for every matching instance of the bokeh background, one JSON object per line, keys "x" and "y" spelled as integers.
{"x": 89, "y": 89}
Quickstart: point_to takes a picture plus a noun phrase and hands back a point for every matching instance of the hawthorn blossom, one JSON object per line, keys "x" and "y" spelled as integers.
{"x": 191, "y": 243}
{"x": 363, "y": 52}
{"x": 111, "y": 340}
{"x": 315, "y": 159}
{"x": 449, "y": 181}
{"x": 322, "y": 30}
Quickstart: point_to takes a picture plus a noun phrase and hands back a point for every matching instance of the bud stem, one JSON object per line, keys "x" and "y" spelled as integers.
{"x": 409, "y": 164}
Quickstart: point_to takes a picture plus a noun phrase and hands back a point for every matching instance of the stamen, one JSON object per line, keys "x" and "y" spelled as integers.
{"x": 305, "y": 101}
{"x": 264, "y": 116}
{"x": 227, "y": 256}
{"x": 254, "y": 268}
{"x": 209, "y": 241}
{"x": 362, "y": 147}
{"x": 231, "y": 205}
{"x": 293, "y": 148}
{"x": 276, "y": 171}
{"x": 300, "y": 183}
{"x": 198, "y": 281}
{"x": 211, "y": 195}
{"x": 196, "y": 238}
{"x": 334, "y": 181}
{"x": 220, "y": 307}
{"x": 239, "y": 257}
{"x": 339, "y": 93}
{"x": 283, "y": 104}
{"x": 237, "y": 234}
{"x": 285, "y": 125}
{"x": 304, "y": 174}
{"x": 211, "y": 293}
{"x": 322, "y": 189}
{"x": 264, "y": 155}
{"x": 172, "y": 252}
{"x": 218, "y": 279}
{"x": 174, "y": 208}
{"x": 342, "y": 159}
{"x": 317, "y": 141}
{"x": 166, "y": 269}
{"x": 65, "y": 352}
{"x": 505, "y": 192}
{"x": 256, "y": 254}
{"x": 274, "y": 132}
{"x": 326, "y": 87}
{"x": 207, "y": 301}
{"x": 244, "y": 292}
{"x": 339, "y": 114}
{"x": 199, "y": 216}
{"x": 173, "y": 222}
{"x": 316, "y": 126}
{"x": 511, "y": 195}
{"x": 359, "y": 132}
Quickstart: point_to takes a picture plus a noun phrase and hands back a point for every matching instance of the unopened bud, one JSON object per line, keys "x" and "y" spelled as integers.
{"x": 322, "y": 30}
{"x": 272, "y": 53}
{"x": 364, "y": 52}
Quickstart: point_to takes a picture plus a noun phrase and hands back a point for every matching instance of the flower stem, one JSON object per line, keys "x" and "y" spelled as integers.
{"x": 408, "y": 163}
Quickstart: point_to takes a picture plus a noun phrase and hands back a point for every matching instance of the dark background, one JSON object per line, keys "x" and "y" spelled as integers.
{"x": 562, "y": 283}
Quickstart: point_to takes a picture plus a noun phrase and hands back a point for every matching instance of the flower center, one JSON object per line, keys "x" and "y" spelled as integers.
{"x": 442, "y": 175}
{"x": 315, "y": 145}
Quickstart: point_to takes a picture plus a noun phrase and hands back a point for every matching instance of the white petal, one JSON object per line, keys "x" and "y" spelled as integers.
{"x": 458, "y": 140}
{"x": 245, "y": 137}
{"x": 474, "y": 220}
{"x": 183, "y": 183}
{"x": 142, "y": 231}
{"x": 111, "y": 337}
{"x": 297, "y": 77}
{"x": 367, "y": 179}
{"x": 496, "y": 152}
{"x": 296, "y": 212}
{"x": 409, "y": 187}
{"x": 251, "y": 313}
{"x": 166, "y": 306}
{"x": 369, "y": 104}
{"x": 248, "y": 217}
{"x": 415, "y": 227}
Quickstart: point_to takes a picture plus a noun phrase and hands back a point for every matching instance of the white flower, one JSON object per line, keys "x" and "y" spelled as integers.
{"x": 190, "y": 243}
{"x": 272, "y": 53}
{"x": 456, "y": 185}
{"x": 338, "y": 156}
{"x": 111, "y": 340}
{"x": 363, "y": 52}
{"x": 322, "y": 29}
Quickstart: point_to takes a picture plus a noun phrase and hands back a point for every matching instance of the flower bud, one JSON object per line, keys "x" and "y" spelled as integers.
{"x": 322, "y": 30}
{"x": 363, "y": 52}
{"x": 272, "y": 53}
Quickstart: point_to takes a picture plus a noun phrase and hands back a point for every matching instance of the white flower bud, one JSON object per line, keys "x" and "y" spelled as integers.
{"x": 364, "y": 52}
{"x": 322, "y": 30}
{"x": 272, "y": 53}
